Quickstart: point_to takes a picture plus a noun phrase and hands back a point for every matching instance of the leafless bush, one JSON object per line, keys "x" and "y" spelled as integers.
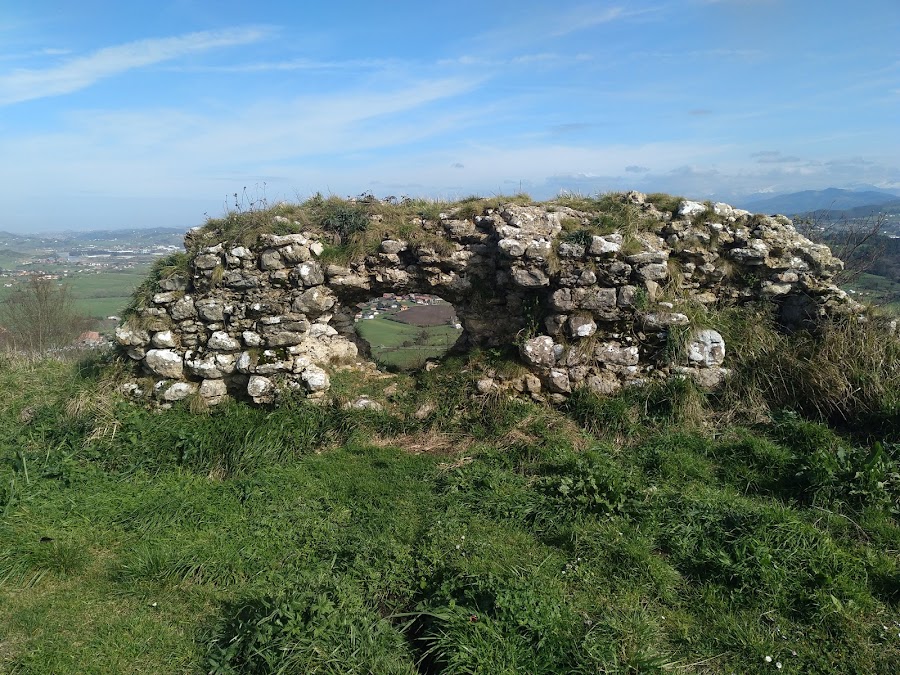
{"x": 39, "y": 316}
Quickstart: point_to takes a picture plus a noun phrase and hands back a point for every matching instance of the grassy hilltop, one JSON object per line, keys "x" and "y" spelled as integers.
{"x": 753, "y": 530}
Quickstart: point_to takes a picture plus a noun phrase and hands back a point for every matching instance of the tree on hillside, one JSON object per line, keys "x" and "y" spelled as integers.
{"x": 40, "y": 315}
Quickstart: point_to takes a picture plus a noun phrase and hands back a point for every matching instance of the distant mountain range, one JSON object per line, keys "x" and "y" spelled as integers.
{"x": 829, "y": 200}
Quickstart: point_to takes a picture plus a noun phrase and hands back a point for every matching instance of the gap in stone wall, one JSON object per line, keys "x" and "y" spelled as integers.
{"x": 404, "y": 331}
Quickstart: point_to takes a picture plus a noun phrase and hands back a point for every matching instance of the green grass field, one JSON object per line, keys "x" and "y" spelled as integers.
{"x": 101, "y": 294}
{"x": 878, "y": 290}
{"x": 106, "y": 293}
{"x": 489, "y": 536}
{"x": 405, "y": 346}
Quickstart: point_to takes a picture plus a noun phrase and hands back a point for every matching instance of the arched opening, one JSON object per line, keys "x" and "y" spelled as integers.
{"x": 404, "y": 331}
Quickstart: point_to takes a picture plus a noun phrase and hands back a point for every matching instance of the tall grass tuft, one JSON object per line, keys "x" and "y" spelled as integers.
{"x": 847, "y": 372}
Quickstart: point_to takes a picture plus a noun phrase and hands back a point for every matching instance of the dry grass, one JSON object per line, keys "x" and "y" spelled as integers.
{"x": 427, "y": 442}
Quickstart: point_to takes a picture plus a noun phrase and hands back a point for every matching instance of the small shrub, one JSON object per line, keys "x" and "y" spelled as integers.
{"x": 581, "y": 236}
{"x": 847, "y": 372}
{"x": 589, "y": 483}
{"x": 665, "y": 202}
{"x": 319, "y": 625}
{"x": 345, "y": 220}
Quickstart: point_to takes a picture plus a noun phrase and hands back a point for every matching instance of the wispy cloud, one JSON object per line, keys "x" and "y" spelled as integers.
{"x": 291, "y": 65}
{"x": 587, "y": 16}
{"x": 83, "y": 71}
{"x": 774, "y": 157}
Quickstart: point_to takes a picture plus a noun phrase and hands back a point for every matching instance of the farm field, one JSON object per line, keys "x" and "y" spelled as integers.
{"x": 879, "y": 291}
{"x": 107, "y": 293}
{"x": 398, "y": 344}
{"x": 99, "y": 294}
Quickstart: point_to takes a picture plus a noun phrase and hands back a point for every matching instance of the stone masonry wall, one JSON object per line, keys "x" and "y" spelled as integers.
{"x": 585, "y": 310}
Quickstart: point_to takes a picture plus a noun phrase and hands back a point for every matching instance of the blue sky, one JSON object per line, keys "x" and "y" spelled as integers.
{"x": 152, "y": 113}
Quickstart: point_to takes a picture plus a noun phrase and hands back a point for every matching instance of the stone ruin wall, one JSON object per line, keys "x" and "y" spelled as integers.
{"x": 250, "y": 321}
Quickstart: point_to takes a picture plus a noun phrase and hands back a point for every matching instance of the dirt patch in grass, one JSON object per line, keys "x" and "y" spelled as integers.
{"x": 430, "y": 443}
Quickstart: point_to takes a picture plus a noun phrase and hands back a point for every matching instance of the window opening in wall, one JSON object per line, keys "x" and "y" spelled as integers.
{"x": 406, "y": 330}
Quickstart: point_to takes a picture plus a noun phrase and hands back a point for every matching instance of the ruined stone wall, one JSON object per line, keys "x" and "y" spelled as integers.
{"x": 585, "y": 309}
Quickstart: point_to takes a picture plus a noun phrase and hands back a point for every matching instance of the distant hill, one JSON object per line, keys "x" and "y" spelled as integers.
{"x": 892, "y": 207}
{"x": 831, "y": 199}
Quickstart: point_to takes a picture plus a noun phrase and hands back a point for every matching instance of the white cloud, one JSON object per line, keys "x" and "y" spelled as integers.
{"x": 80, "y": 72}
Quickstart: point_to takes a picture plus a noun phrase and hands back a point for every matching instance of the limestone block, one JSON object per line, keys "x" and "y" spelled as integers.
{"x": 554, "y": 323}
{"x": 226, "y": 362}
{"x": 210, "y": 309}
{"x": 309, "y": 274}
{"x": 177, "y": 391}
{"x": 222, "y": 341}
{"x": 183, "y": 309}
{"x": 314, "y": 301}
{"x": 393, "y": 246}
{"x": 569, "y": 250}
{"x": 530, "y": 277}
{"x": 274, "y": 361}
{"x": 514, "y": 248}
{"x": 261, "y": 389}
{"x": 706, "y": 349}
{"x": 538, "y": 351}
{"x": 723, "y": 209}
{"x": 246, "y": 363}
{"x": 252, "y": 339}
{"x": 207, "y": 261}
{"x": 615, "y": 354}
{"x": 538, "y": 249}
{"x": 285, "y": 339}
{"x": 284, "y": 239}
{"x": 662, "y": 320}
{"x": 136, "y": 353}
{"x": 485, "y": 385}
{"x": 558, "y": 381}
{"x": 769, "y": 289}
{"x": 581, "y": 326}
{"x": 606, "y": 245}
{"x": 626, "y": 296}
{"x": 131, "y": 337}
{"x": 165, "y": 363}
{"x": 164, "y": 339}
{"x": 652, "y": 272}
{"x": 604, "y": 383}
{"x": 587, "y": 278}
{"x": 648, "y": 257}
{"x": 203, "y": 365}
{"x": 214, "y": 391}
{"x": 321, "y": 330}
{"x": 166, "y": 298}
{"x": 688, "y": 208}
{"x": 240, "y": 280}
{"x": 597, "y": 299}
{"x": 295, "y": 254}
{"x": 707, "y": 378}
{"x": 613, "y": 273}
{"x": 315, "y": 379}
{"x": 363, "y": 403}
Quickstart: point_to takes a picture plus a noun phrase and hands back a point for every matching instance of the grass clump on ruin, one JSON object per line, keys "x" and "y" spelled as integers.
{"x": 354, "y": 228}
